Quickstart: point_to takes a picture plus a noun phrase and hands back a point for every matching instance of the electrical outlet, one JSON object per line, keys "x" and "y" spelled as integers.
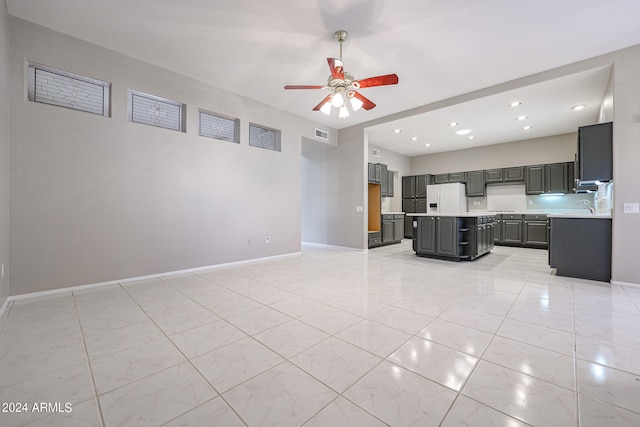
{"x": 359, "y": 209}
{"x": 248, "y": 242}
{"x": 631, "y": 208}
{"x": 267, "y": 239}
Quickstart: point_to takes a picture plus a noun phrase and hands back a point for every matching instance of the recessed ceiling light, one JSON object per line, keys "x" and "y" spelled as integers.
{"x": 463, "y": 132}
{"x": 452, "y": 124}
{"x": 578, "y": 107}
{"x": 427, "y": 145}
{"x": 527, "y": 127}
{"x": 414, "y": 138}
{"x": 397, "y": 130}
{"x": 521, "y": 118}
{"x": 515, "y": 104}
{"x": 470, "y": 137}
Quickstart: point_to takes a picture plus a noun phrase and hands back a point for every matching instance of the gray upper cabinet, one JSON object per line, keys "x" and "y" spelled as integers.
{"x": 475, "y": 183}
{"x": 595, "y": 152}
{"x": 557, "y": 178}
{"x": 493, "y": 175}
{"x": 442, "y": 178}
{"x": 421, "y": 185}
{"x": 383, "y": 179}
{"x": 534, "y": 179}
{"x": 390, "y": 184}
{"x": 408, "y": 187}
{"x": 458, "y": 177}
{"x": 374, "y": 173}
{"x": 514, "y": 174}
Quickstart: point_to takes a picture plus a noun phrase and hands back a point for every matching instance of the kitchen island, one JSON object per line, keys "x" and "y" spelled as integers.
{"x": 457, "y": 236}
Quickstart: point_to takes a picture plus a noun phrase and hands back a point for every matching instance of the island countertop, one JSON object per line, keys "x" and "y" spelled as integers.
{"x": 456, "y": 214}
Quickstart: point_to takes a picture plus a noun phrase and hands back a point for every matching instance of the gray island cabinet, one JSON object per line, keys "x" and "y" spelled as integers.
{"x": 456, "y": 237}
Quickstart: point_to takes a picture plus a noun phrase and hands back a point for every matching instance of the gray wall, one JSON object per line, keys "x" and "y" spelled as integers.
{"x": 319, "y": 167}
{"x": 558, "y": 148}
{"x": 4, "y": 150}
{"x": 626, "y": 173}
{"x": 397, "y": 163}
{"x": 98, "y": 199}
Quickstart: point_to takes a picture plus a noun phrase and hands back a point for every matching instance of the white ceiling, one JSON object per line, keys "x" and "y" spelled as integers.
{"x": 439, "y": 49}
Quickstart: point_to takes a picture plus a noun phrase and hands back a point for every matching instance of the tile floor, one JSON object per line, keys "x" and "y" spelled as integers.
{"x": 330, "y": 338}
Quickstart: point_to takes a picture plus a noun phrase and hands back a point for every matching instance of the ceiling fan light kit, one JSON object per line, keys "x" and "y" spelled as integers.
{"x": 343, "y": 86}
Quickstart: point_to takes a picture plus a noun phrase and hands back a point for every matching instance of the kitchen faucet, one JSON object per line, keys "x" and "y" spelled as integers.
{"x": 587, "y": 205}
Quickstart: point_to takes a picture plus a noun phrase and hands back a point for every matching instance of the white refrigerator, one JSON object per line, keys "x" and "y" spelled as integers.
{"x": 446, "y": 198}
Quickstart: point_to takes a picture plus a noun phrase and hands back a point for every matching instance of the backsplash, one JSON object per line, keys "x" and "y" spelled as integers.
{"x": 504, "y": 198}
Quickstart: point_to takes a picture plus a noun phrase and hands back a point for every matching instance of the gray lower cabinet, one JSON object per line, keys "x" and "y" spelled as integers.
{"x": 581, "y": 247}
{"x": 535, "y": 231}
{"x": 398, "y": 227}
{"x": 475, "y": 183}
{"x": 512, "y": 229}
{"x": 387, "y": 228}
{"x": 375, "y": 238}
{"x": 485, "y": 235}
{"x": 392, "y": 228}
{"x": 425, "y": 235}
{"x": 447, "y": 236}
{"x": 497, "y": 232}
{"x": 521, "y": 230}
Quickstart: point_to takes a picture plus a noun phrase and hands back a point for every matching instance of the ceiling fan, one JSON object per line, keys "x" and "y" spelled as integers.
{"x": 343, "y": 86}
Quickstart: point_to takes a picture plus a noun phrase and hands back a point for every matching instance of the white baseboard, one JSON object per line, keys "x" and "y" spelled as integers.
{"x": 4, "y": 306}
{"x": 147, "y": 277}
{"x": 322, "y": 245}
{"x": 627, "y": 284}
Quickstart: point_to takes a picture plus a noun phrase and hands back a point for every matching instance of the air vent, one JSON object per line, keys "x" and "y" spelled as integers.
{"x": 376, "y": 153}
{"x": 322, "y": 134}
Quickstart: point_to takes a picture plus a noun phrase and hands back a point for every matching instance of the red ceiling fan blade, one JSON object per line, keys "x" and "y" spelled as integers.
{"x": 303, "y": 87}
{"x": 337, "y": 68}
{"x": 367, "y": 104}
{"x": 325, "y": 100}
{"x": 389, "y": 79}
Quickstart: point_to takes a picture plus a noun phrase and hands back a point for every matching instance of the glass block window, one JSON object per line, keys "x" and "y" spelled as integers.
{"x": 155, "y": 111}
{"x": 263, "y": 137}
{"x": 221, "y": 127}
{"x": 52, "y": 86}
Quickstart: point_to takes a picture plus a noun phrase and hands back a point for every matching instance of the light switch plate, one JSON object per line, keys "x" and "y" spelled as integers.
{"x": 632, "y": 208}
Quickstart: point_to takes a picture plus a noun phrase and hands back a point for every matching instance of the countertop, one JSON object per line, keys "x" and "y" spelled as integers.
{"x": 548, "y": 214}
{"x": 392, "y": 213}
{"x": 576, "y": 215}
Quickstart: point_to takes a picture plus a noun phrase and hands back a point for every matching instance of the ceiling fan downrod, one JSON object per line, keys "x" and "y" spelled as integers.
{"x": 340, "y": 35}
